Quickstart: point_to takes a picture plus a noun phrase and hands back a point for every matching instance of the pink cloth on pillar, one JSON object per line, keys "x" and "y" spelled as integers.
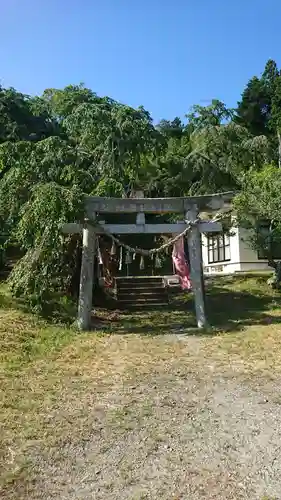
{"x": 180, "y": 264}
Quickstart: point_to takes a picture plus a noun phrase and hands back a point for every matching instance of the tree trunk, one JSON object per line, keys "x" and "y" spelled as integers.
{"x": 275, "y": 281}
{"x": 279, "y": 148}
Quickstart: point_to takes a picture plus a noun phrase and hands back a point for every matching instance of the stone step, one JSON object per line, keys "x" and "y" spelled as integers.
{"x": 141, "y": 279}
{"x": 139, "y": 284}
{"x": 140, "y": 299}
{"x": 140, "y": 287}
{"x": 143, "y": 296}
{"x": 146, "y": 305}
{"x": 143, "y": 291}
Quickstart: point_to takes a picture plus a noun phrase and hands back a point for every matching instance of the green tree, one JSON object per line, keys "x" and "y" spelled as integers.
{"x": 19, "y": 120}
{"x": 222, "y": 150}
{"x": 258, "y": 110}
{"x": 170, "y": 129}
{"x": 259, "y": 203}
{"x": 275, "y": 122}
{"x": 202, "y": 117}
{"x": 253, "y": 109}
{"x": 98, "y": 148}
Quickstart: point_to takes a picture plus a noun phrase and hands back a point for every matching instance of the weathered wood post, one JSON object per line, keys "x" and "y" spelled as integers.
{"x": 196, "y": 270}
{"x": 86, "y": 277}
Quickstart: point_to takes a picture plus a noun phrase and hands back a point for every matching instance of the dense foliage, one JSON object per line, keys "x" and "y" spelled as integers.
{"x": 59, "y": 146}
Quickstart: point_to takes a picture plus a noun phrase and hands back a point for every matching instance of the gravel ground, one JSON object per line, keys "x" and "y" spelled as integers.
{"x": 183, "y": 434}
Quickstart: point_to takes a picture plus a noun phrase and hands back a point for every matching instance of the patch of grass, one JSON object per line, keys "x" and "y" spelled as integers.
{"x": 24, "y": 338}
{"x": 239, "y": 301}
{"x": 52, "y": 376}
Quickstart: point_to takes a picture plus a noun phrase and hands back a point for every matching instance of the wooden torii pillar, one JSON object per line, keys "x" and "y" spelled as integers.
{"x": 196, "y": 265}
{"x": 85, "y": 299}
{"x": 140, "y": 206}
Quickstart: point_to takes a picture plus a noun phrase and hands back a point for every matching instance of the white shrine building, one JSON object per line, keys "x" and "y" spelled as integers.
{"x": 230, "y": 253}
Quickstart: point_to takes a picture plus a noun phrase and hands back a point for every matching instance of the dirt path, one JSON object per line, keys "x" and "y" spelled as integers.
{"x": 189, "y": 430}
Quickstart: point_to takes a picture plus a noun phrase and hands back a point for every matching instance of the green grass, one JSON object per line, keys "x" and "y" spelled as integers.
{"x": 48, "y": 369}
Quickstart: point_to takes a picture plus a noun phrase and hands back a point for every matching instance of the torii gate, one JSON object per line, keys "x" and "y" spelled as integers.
{"x": 190, "y": 207}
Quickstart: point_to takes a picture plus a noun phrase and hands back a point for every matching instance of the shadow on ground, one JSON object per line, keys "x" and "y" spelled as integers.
{"x": 228, "y": 308}
{"x": 235, "y": 310}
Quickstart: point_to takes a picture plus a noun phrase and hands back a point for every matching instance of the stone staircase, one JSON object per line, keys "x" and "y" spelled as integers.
{"x": 138, "y": 292}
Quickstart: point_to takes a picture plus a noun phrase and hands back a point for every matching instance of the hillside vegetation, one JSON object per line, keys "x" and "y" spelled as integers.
{"x": 67, "y": 143}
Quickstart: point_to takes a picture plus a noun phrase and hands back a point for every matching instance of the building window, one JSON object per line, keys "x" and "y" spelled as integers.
{"x": 218, "y": 248}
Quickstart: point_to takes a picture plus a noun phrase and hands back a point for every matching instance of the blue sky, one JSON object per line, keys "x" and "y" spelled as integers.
{"x": 163, "y": 54}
